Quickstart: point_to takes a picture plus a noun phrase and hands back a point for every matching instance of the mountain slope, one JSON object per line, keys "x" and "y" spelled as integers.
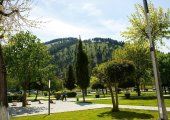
{"x": 97, "y": 49}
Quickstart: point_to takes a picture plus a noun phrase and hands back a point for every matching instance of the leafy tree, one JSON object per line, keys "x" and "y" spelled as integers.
{"x": 158, "y": 20}
{"x": 13, "y": 16}
{"x": 70, "y": 80}
{"x": 113, "y": 73}
{"x": 164, "y": 64}
{"x": 27, "y": 59}
{"x": 139, "y": 54}
{"x": 82, "y": 73}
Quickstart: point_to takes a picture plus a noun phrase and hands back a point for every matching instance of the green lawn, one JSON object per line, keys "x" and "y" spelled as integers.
{"x": 140, "y": 101}
{"x": 96, "y": 114}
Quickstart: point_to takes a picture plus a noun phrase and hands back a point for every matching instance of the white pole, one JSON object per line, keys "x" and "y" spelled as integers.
{"x": 161, "y": 106}
{"x": 49, "y": 84}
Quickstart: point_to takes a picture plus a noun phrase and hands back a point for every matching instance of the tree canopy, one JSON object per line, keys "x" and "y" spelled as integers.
{"x": 26, "y": 58}
{"x": 158, "y": 20}
{"x": 70, "y": 80}
{"x": 82, "y": 70}
{"x": 113, "y": 73}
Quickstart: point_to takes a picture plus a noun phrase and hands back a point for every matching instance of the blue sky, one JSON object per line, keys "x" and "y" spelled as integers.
{"x": 88, "y": 18}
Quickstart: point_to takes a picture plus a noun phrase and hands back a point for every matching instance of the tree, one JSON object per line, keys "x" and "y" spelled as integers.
{"x": 139, "y": 54}
{"x": 82, "y": 73}
{"x": 113, "y": 73}
{"x": 158, "y": 20}
{"x": 164, "y": 64}
{"x": 27, "y": 59}
{"x": 70, "y": 80}
{"x": 13, "y": 15}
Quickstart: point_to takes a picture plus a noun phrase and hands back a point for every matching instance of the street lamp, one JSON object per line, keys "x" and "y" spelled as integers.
{"x": 49, "y": 84}
{"x": 161, "y": 105}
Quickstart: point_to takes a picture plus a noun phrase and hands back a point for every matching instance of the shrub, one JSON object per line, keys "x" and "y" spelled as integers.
{"x": 71, "y": 94}
{"x": 45, "y": 93}
{"x": 15, "y": 97}
{"x": 57, "y": 95}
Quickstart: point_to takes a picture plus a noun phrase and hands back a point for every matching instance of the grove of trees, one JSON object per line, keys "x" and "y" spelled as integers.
{"x": 27, "y": 60}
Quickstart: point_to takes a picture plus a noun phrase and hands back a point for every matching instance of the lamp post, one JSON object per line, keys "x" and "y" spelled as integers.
{"x": 161, "y": 106}
{"x": 49, "y": 83}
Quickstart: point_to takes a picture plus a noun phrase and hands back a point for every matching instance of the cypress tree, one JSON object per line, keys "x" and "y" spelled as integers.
{"x": 70, "y": 80}
{"x": 82, "y": 72}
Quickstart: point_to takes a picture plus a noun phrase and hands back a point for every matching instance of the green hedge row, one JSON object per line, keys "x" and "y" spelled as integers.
{"x": 15, "y": 97}
{"x": 69, "y": 94}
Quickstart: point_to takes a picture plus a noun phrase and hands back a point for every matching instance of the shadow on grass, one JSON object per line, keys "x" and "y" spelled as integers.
{"x": 120, "y": 115}
{"x": 144, "y": 97}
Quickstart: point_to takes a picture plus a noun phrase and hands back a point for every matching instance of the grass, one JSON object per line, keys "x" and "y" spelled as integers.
{"x": 139, "y": 101}
{"x": 96, "y": 114}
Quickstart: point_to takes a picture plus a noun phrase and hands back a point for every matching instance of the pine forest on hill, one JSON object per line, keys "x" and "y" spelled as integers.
{"x": 63, "y": 51}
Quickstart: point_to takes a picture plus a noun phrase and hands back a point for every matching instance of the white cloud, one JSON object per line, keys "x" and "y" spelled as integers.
{"x": 91, "y": 9}
{"x": 55, "y": 28}
{"x": 115, "y": 26}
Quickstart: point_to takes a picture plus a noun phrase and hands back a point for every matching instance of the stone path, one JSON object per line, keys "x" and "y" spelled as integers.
{"x": 64, "y": 106}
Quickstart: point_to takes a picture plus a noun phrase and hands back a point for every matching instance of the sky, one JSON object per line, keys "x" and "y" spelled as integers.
{"x": 88, "y": 18}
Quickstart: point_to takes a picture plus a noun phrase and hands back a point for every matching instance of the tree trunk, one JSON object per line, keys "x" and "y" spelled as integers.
{"x": 24, "y": 101}
{"x": 3, "y": 82}
{"x": 138, "y": 89}
{"x": 103, "y": 93}
{"x": 116, "y": 94}
{"x": 36, "y": 96}
{"x": 112, "y": 96}
{"x": 83, "y": 93}
{"x": 106, "y": 90}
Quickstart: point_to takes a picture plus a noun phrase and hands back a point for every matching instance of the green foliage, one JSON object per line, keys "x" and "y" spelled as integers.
{"x": 164, "y": 65}
{"x": 70, "y": 80}
{"x": 113, "y": 73}
{"x": 16, "y": 97}
{"x": 98, "y": 85}
{"x": 57, "y": 95}
{"x": 137, "y": 52}
{"x": 158, "y": 21}
{"x": 82, "y": 74}
{"x": 82, "y": 71}
{"x": 45, "y": 93}
{"x": 71, "y": 94}
{"x": 27, "y": 59}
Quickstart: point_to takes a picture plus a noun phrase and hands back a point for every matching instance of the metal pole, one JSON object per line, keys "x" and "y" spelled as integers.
{"x": 49, "y": 98}
{"x": 161, "y": 106}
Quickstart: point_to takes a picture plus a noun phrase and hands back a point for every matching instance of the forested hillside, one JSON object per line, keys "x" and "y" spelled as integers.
{"x": 97, "y": 49}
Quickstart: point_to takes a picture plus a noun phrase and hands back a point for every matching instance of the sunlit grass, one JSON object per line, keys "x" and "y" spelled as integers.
{"x": 96, "y": 114}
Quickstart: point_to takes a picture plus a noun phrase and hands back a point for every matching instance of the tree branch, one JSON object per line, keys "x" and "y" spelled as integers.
{"x": 8, "y": 14}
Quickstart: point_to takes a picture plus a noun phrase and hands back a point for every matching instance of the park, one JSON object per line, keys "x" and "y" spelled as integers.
{"x": 87, "y": 60}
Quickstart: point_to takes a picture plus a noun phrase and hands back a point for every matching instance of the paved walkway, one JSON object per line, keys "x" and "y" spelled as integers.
{"x": 64, "y": 106}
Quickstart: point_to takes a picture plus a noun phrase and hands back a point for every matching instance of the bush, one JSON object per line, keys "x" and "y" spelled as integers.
{"x": 71, "y": 94}
{"x": 57, "y": 95}
{"x": 15, "y": 97}
{"x": 127, "y": 95}
{"x": 45, "y": 93}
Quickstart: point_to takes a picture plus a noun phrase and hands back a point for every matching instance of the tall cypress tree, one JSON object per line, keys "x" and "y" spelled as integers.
{"x": 70, "y": 80}
{"x": 82, "y": 73}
